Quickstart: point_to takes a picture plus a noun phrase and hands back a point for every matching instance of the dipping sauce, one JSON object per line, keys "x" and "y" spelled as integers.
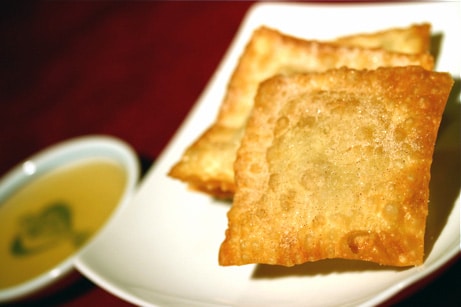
{"x": 51, "y": 217}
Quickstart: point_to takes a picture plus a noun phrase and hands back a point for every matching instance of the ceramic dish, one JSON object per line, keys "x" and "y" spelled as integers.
{"x": 167, "y": 241}
{"x": 54, "y": 203}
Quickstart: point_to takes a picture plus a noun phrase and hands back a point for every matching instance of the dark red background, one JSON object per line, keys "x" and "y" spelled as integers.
{"x": 128, "y": 69}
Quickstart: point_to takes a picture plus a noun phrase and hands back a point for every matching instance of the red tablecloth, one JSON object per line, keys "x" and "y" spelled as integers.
{"x": 127, "y": 69}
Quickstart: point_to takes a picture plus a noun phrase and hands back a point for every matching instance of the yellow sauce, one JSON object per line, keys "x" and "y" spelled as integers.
{"x": 48, "y": 219}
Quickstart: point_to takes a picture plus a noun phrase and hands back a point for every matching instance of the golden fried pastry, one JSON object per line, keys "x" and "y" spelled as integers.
{"x": 207, "y": 165}
{"x": 337, "y": 165}
{"x": 413, "y": 39}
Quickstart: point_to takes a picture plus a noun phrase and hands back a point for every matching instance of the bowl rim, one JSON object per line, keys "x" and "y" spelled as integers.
{"x": 71, "y": 151}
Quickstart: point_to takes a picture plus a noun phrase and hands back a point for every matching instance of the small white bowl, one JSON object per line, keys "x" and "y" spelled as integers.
{"x": 60, "y": 225}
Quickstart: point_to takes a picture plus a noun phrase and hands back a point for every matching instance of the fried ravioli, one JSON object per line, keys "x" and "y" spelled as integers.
{"x": 336, "y": 165}
{"x": 207, "y": 164}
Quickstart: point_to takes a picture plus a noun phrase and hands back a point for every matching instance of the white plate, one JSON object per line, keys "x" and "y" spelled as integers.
{"x": 163, "y": 250}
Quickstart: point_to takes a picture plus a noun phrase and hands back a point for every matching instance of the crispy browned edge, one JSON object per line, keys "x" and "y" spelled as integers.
{"x": 413, "y": 39}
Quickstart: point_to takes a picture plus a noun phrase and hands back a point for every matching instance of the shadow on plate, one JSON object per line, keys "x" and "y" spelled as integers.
{"x": 445, "y": 172}
{"x": 436, "y": 44}
{"x": 322, "y": 267}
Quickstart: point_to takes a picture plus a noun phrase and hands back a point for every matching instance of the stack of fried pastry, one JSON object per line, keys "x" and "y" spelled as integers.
{"x": 325, "y": 148}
